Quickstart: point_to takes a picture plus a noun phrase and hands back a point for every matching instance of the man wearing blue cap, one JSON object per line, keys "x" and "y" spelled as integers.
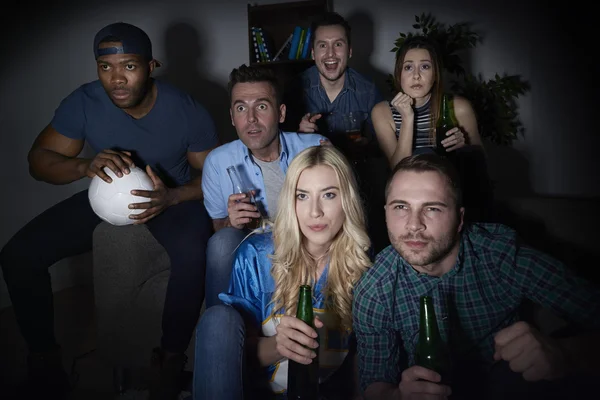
{"x": 129, "y": 119}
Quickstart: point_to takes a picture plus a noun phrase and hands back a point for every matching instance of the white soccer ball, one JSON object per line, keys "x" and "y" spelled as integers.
{"x": 110, "y": 201}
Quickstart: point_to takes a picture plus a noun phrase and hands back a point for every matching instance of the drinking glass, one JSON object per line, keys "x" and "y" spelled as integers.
{"x": 238, "y": 187}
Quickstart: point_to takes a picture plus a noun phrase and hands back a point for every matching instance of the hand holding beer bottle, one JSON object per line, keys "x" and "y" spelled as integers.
{"x": 448, "y": 136}
{"x": 431, "y": 372}
{"x": 297, "y": 340}
{"x": 297, "y": 337}
{"x": 303, "y": 379}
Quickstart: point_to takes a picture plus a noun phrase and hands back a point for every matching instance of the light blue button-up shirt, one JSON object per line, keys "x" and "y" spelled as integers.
{"x": 217, "y": 186}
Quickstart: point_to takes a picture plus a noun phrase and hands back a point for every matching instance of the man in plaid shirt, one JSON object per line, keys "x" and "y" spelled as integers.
{"x": 478, "y": 276}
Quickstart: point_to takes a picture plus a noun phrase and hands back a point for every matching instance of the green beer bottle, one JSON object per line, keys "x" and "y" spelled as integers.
{"x": 431, "y": 351}
{"x": 303, "y": 380}
{"x": 444, "y": 123}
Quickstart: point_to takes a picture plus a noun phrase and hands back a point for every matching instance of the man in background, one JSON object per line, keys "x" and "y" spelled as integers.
{"x": 261, "y": 155}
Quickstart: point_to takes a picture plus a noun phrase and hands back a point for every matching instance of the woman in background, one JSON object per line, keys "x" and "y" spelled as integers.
{"x": 405, "y": 125}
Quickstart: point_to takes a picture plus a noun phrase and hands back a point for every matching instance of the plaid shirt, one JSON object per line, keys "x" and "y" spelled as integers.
{"x": 478, "y": 297}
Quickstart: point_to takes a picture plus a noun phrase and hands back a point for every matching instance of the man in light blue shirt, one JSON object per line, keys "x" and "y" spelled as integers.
{"x": 261, "y": 155}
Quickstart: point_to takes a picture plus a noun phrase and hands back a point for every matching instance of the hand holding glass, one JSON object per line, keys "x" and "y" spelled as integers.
{"x": 238, "y": 187}
{"x": 353, "y": 124}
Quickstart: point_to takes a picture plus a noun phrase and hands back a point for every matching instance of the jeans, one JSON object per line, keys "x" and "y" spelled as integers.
{"x": 66, "y": 229}
{"x": 219, "y": 261}
{"x": 224, "y": 371}
{"x": 219, "y": 355}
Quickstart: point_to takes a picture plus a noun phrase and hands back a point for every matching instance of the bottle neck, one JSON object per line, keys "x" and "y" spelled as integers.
{"x": 445, "y": 109}
{"x": 305, "y": 308}
{"x": 429, "y": 328}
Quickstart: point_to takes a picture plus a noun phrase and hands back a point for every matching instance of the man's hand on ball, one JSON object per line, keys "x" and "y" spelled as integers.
{"x": 119, "y": 162}
{"x": 160, "y": 198}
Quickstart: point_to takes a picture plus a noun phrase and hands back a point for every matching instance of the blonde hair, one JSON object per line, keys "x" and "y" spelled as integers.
{"x": 293, "y": 266}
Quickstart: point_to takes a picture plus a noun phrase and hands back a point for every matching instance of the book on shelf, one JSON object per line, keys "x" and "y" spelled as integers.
{"x": 263, "y": 44}
{"x": 295, "y": 42}
{"x": 285, "y": 46}
{"x": 266, "y": 43}
{"x": 300, "y": 44}
{"x": 261, "y": 49}
{"x": 257, "y": 52}
{"x": 297, "y": 46}
{"x": 307, "y": 44}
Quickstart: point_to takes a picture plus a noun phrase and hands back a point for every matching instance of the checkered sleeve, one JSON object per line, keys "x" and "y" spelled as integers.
{"x": 551, "y": 284}
{"x": 377, "y": 345}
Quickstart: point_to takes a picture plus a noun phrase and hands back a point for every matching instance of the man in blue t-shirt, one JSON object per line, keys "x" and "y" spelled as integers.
{"x": 129, "y": 119}
{"x": 261, "y": 155}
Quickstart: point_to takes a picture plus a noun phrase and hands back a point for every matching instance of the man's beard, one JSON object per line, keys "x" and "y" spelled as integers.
{"x": 435, "y": 250}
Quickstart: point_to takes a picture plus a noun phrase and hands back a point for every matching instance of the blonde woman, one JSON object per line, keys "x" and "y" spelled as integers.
{"x": 318, "y": 238}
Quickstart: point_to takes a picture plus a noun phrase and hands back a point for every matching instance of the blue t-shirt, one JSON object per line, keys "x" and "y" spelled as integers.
{"x": 250, "y": 291}
{"x": 175, "y": 125}
{"x": 216, "y": 184}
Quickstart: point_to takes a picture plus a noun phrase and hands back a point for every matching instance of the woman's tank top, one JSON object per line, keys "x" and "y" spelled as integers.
{"x": 422, "y": 138}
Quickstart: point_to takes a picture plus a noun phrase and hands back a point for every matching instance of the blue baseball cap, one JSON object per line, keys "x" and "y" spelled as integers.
{"x": 133, "y": 41}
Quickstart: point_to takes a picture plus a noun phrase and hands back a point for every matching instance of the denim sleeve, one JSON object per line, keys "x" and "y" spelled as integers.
{"x": 69, "y": 118}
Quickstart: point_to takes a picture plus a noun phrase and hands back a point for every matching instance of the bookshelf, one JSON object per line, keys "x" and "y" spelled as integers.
{"x": 278, "y": 22}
